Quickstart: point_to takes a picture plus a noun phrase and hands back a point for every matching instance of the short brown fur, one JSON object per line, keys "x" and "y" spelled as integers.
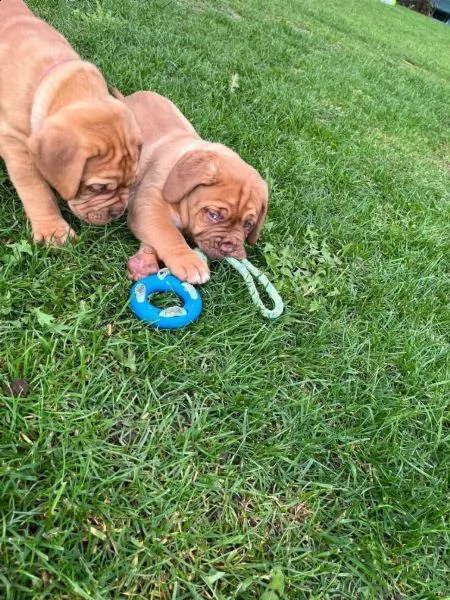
{"x": 188, "y": 186}
{"x": 59, "y": 127}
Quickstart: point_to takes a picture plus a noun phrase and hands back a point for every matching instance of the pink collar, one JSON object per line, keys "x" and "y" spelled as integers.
{"x": 55, "y": 66}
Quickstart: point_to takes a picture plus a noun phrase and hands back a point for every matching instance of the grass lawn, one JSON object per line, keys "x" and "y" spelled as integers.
{"x": 191, "y": 464}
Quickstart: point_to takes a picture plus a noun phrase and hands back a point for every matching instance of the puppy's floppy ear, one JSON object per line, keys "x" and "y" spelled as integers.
{"x": 197, "y": 167}
{"x": 60, "y": 157}
{"x": 254, "y": 234}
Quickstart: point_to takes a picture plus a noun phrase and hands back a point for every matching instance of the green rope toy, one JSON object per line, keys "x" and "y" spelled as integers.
{"x": 248, "y": 271}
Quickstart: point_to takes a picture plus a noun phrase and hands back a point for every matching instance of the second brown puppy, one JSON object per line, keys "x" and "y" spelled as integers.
{"x": 188, "y": 186}
{"x": 60, "y": 128}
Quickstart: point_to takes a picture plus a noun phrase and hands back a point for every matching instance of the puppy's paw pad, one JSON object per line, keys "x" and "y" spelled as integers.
{"x": 142, "y": 264}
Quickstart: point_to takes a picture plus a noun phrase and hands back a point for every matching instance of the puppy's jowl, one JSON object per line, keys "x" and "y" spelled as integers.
{"x": 60, "y": 128}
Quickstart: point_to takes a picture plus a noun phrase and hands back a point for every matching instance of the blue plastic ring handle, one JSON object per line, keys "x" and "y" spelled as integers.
{"x": 173, "y": 316}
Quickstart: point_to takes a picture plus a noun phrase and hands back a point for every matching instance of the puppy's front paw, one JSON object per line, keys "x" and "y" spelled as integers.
{"x": 144, "y": 263}
{"x": 53, "y": 233}
{"x": 189, "y": 267}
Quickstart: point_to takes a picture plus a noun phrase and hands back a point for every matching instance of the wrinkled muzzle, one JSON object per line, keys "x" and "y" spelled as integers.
{"x": 219, "y": 248}
{"x": 99, "y": 211}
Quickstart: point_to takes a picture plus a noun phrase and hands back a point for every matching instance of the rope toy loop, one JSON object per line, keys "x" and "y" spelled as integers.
{"x": 247, "y": 270}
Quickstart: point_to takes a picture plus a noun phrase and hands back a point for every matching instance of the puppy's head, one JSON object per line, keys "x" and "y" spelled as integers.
{"x": 89, "y": 152}
{"x": 222, "y": 200}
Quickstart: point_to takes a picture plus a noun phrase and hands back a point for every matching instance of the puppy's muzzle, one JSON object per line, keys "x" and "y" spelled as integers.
{"x": 227, "y": 248}
{"x": 219, "y": 249}
{"x": 99, "y": 211}
{"x": 106, "y": 215}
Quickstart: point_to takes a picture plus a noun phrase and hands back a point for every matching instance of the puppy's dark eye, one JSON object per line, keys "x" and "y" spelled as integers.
{"x": 248, "y": 225}
{"x": 213, "y": 215}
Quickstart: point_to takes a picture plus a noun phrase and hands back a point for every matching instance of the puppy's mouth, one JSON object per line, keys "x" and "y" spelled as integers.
{"x": 98, "y": 212}
{"x": 218, "y": 249}
{"x": 101, "y": 217}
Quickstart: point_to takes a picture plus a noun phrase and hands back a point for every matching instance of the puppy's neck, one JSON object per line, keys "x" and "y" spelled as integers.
{"x": 69, "y": 82}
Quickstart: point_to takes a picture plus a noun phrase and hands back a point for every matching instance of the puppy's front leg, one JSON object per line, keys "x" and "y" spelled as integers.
{"x": 37, "y": 198}
{"x": 149, "y": 218}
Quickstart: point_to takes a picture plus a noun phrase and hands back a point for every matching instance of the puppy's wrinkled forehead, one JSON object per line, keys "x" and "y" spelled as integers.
{"x": 240, "y": 186}
{"x": 115, "y": 142}
{"x": 233, "y": 197}
{"x": 119, "y": 167}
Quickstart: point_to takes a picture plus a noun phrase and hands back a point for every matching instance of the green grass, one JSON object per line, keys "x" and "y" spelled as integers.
{"x": 191, "y": 464}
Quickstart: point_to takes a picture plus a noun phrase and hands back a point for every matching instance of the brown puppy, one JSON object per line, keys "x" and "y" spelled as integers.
{"x": 188, "y": 185}
{"x": 59, "y": 126}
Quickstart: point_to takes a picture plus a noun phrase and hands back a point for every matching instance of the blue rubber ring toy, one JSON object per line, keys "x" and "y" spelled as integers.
{"x": 173, "y": 316}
